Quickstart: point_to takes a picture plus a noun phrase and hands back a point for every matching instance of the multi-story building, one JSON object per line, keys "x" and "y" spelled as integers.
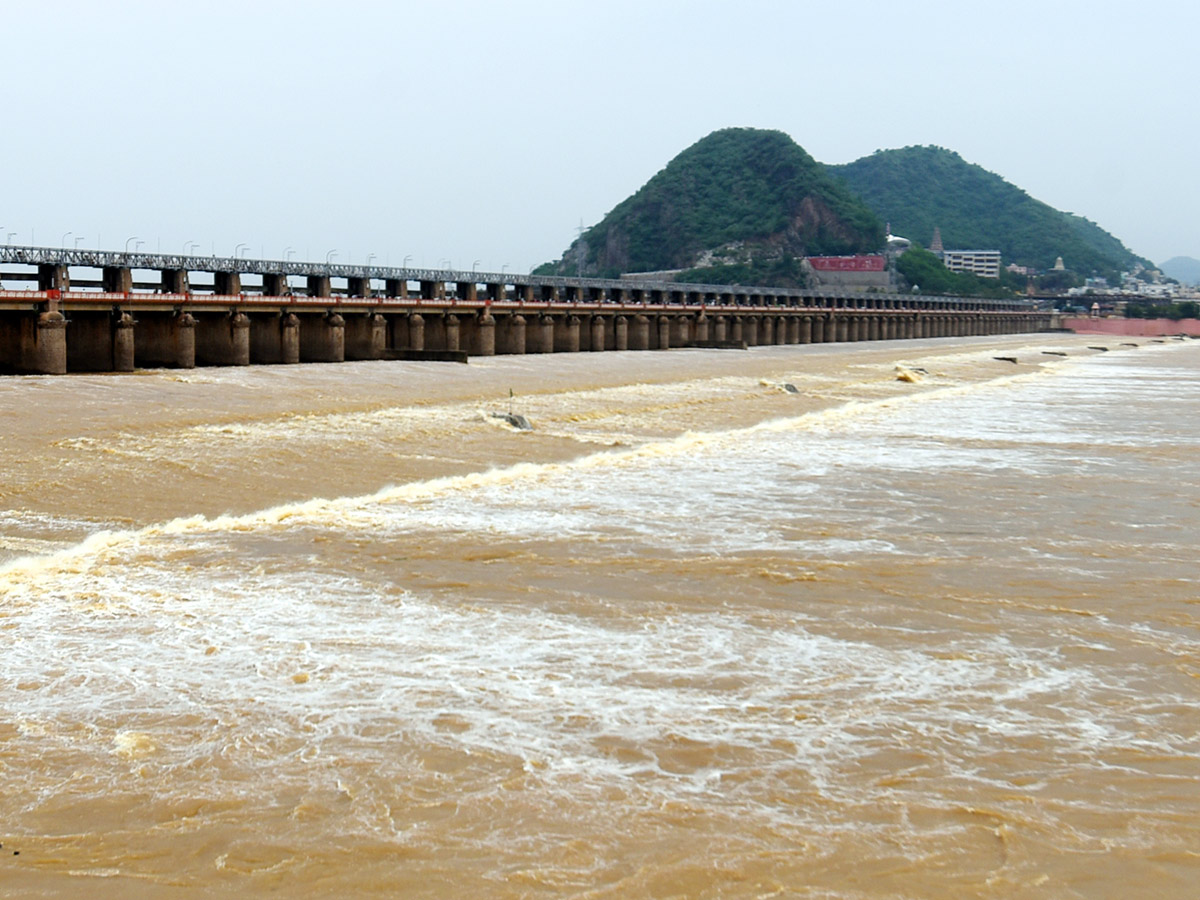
{"x": 984, "y": 263}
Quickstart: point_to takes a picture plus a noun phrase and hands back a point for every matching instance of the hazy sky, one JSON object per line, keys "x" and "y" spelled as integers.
{"x": 487, "y": 131}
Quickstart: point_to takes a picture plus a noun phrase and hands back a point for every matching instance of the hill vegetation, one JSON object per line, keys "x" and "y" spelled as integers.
{"x": 742, "y": 206}
{"x": 924, "y": 271}
{"x": 741, "y": 201}
{"x": 918, "y": 188}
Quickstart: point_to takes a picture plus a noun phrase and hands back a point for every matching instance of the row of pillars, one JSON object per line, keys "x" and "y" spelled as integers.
{"x": 177, "y": 281}
{"x": 118, "y": 341}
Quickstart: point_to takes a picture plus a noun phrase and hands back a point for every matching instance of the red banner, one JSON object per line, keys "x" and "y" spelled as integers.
{"x": 847, "y": 263}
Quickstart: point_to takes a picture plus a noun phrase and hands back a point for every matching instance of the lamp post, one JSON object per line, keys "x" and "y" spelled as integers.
{"x": 238, "y": 249}
{"x": 404, "y": 265}
{"x": 77, "y": 240}
{"x": 329, "y": 257}
{"x": 287, "y": 253}
{"x": 134, "y": 238}
{"x": 64, "y": 238}
{"x": 370, "y": 256}
{"x": 474, "y": 266}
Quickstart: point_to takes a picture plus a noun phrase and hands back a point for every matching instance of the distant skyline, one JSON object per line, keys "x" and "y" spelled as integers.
{"x": 485, "y": 134}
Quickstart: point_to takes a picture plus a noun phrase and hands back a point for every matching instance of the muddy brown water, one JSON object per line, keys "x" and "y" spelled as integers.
{"x": 925, "y": 627}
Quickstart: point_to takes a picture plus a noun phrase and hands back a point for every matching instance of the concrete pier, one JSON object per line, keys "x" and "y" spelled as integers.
{"x": 318, "y": 286}
{"x": 540, "y": 338}
{"x": 639, "y": 333}
{"x": 116, "y": 280}
{"x": 274, "y": 285}
{"x": 680, "y": 330}
{"x": 566, "y": 335}
{"x": 662, "y": 333}
{"x": 33, "y": 344}
{"x": 222, "y": 339}
{"x": 510, "y": 335}
{"x": 100, "y": 341}
{"x": 165, "y": 340}
{"x": 597, "y": 329}
{"x": 365, "y": 336}
{"x": 621, "y": 333}
{"x": 52, "y": 277}
{"x": 484, "y": 342}
{"x": 322, "y": 338}
{"x": 416, "y": 332}
{"x": 227, "y": 283}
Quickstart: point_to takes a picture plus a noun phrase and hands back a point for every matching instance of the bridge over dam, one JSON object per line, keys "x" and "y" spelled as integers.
{"x": 67, "y": 310}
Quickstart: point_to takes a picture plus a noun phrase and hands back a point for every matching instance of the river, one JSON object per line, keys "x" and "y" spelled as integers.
{"x": 898, "y": 619}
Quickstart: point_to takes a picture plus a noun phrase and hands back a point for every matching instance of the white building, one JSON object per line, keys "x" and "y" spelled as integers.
{"x": 984, "y": 263}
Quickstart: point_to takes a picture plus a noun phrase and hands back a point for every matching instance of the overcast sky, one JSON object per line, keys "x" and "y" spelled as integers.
{"x": 486, "y": 132}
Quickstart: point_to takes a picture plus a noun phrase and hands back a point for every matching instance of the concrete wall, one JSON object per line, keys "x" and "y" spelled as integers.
{"x": 1134, "y": 327}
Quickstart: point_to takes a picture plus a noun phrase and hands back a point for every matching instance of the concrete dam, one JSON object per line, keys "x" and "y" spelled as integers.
{"x": 111, "y": 311}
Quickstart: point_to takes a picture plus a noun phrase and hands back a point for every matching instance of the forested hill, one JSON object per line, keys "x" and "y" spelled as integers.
{"x": 918, "y": 188}
{"x": 754, "y": 195}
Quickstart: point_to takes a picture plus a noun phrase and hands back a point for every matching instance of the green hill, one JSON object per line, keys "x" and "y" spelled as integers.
{"x": 918, "y": 188}
{"x": 752, "y": 196}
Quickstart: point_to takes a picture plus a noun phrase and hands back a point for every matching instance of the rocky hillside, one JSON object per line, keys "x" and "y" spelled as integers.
{"x": 741, "y": 202}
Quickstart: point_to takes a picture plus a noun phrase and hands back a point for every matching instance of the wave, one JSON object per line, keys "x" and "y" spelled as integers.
{"x": 356, "y": 511}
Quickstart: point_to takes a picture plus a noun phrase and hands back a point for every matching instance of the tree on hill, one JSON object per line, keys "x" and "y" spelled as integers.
{"x": 922, "y": 270}
{"x": 918, "y": 188}
{"x": 751, "y": 189}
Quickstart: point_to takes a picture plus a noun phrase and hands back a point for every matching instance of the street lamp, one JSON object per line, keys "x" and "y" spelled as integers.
{"x": 138, "y": 246}
{"x": 134, "y": 238}
{"x": 287, "y": 253}
{"x": 8, "y": 237}
{"x": 370, "y": 256}
{"x": 474, "y": 266}
{"x": 238, "y": 249}
{"x": 64, "y": 238}
{"x": 77, "y": 240}
{"x": 403, "y": 265}
{"x": 449, "y": 265}
{"x": 329, "y": 256}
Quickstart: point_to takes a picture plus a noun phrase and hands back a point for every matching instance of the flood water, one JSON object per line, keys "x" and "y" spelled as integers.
{"x": 924, "y": 626}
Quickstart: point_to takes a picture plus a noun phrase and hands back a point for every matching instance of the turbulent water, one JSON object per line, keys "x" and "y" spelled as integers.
{"x": 695, "y": 635}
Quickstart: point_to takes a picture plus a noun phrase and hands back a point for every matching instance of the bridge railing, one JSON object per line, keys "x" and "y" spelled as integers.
{"x": 102, "y": 259}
